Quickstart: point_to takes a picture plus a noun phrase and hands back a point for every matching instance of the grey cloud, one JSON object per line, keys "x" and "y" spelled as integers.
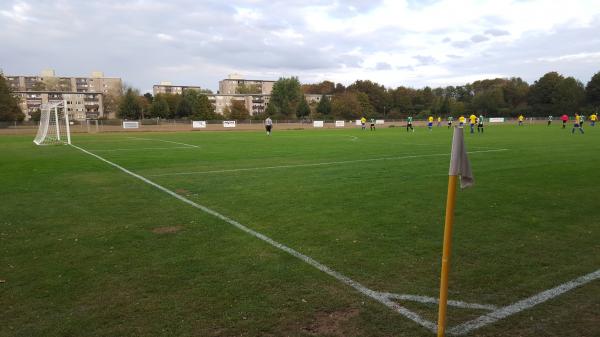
{"x": 446, "y": 40}
{"x": 496, "y": 32}
{"x": 425, "y": 60}
{"x": 383, "y": 66}
{"x": 461, "y": 44}
{"x": 479, "y": 38}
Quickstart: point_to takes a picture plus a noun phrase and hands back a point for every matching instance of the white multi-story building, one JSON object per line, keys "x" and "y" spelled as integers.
{"x": 87, "y": 92}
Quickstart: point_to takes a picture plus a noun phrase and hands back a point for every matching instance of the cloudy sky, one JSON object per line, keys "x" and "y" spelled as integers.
{"x": 193, "y": 42}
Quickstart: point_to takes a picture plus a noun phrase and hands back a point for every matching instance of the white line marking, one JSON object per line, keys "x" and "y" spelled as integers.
{"x": 317, "y": 164}
{"x": 346, "y": 280}
{"x": 426, "y": 299}
{"x": 519, "y": 306}
{"x": 145, "y": 148}
{"x": 353, "y": 138}
{"x": 164, "y": 141}
{"x": 383, "y": 298}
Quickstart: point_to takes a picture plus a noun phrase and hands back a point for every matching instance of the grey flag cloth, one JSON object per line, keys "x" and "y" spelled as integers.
{"x": 459, "y": 161}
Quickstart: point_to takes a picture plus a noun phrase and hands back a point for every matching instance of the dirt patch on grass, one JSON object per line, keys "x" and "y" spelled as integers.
{"x": 182, "y": 191}
{"x": 167, "y": 230}
{"x": 331, "y": 323}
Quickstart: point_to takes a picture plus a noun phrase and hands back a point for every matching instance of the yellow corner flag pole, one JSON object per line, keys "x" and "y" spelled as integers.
{"x": 459, "y": 166}
{"x": 450, "y": 202}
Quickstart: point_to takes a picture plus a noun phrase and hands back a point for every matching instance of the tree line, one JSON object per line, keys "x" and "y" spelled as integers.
{"x": 552, "y": 94}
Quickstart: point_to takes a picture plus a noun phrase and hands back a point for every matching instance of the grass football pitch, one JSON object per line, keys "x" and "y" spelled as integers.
{"x": 329, "y": 221}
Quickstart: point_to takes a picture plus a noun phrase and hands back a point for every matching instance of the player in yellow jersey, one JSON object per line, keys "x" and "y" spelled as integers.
{"x": 472, "y": 121}
{"x": 430, "y": 122}
{"x": 461, "y": 121}
{"x": 521, "y": 118}
{"x": 439, "y": 121}
{"x": 363, "y": 122}
{"x": 593, "y": 119}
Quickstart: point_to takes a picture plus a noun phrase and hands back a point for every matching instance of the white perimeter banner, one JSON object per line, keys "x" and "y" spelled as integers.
{"x": 318, "y": 124}
{"x": 496, "y": 120}
{"x": 379, "y": 121}
{"x": 198, "y": 124}
{"x": 229, "y": 124}
{"x": 358, "y": 122}
{"x": 131, "y": 125}
{"x": 340, "y": 124}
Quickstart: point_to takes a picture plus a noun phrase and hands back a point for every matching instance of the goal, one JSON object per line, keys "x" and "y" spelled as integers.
{"x": 54, "y": 124}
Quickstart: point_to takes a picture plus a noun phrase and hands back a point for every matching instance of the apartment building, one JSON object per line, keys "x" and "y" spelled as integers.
{"x": 87, "y": 93}
{"x": 254, "y": 93}
{"x": 255, "y": 103}
{"x": 167, "y": 87}
{"x": 81, "y": 106}
{"x": 233, "y": 84}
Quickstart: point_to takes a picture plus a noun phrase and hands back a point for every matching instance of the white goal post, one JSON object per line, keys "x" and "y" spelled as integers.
{"x": 54, "y": 124}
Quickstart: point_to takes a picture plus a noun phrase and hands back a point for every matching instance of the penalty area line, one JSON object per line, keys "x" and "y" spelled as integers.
{"x": 144, "y": 148}
{"x": 377, "y": 296}
{"x": 164, "y": 141}
{"x": 524, "y": 304}
{"x": 318, "y": 164}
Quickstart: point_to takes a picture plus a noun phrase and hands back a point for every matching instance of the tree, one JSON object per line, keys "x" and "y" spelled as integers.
{"x": 366, "y": 109}
{"x": 184, "y": 108}
{"x": 345, "y": 105}
{"x": 592, "y": 92}
{"x": 248, "y": 89}
{"x": 9, "y": 106}
{"x": 237, "y": 110}
{"x": 377, "y": 95}
{"x": 129, "y": 106}
{"x": 543, "y": 92}
{"x": 203, "y": 109}
{"x": 555, "y": 95}
{"x": 570, "y": 96}
{"x": 111, "y": 101}
{"x": 285, "y": 97}
{"x": 324, "y": 106}
{"x": 303, "y": 109}
{"x": 148, "y": 97}
{"x": 488, "y": 101}
{"x": 323, "y": 88}
{"x": 159, "y": 107}
{"x": 173, "y": 101}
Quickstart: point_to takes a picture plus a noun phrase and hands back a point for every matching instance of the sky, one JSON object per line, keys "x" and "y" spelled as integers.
{"x": 395, "y": 43}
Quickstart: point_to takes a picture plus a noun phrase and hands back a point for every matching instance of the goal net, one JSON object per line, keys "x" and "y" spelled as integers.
{"x": 54, "y": 124}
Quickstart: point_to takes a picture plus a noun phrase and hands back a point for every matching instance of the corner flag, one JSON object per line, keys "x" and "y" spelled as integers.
{"x": 459, "y": 161}
{"x": 459, "y": 166}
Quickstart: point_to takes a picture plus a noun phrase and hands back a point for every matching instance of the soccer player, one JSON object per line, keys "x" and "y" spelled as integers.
{"x": 461, "y": 121}
{"x": 268, "y": 125}
{"x": 430, "y": 122}
{"x": 564, "y": 119}
{"x": 409, "y": 124}
{"x": 480, "y": 124}
{"x": 363, "y": 122}
{"x": 450, "y": 120}
{"x": 581, "y": 120}
{"x": 593, "y": 119}
{"x": 578, "y": 124}
{"x": 550, "y": 120}
{"x": 372, "y": 124}
{"x": 439, "y": 121}
{"x": 472, "y": 121}
{"x": 521, "y": 118}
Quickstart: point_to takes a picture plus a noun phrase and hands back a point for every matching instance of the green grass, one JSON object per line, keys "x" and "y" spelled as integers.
{"x": 79, "y": 256}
